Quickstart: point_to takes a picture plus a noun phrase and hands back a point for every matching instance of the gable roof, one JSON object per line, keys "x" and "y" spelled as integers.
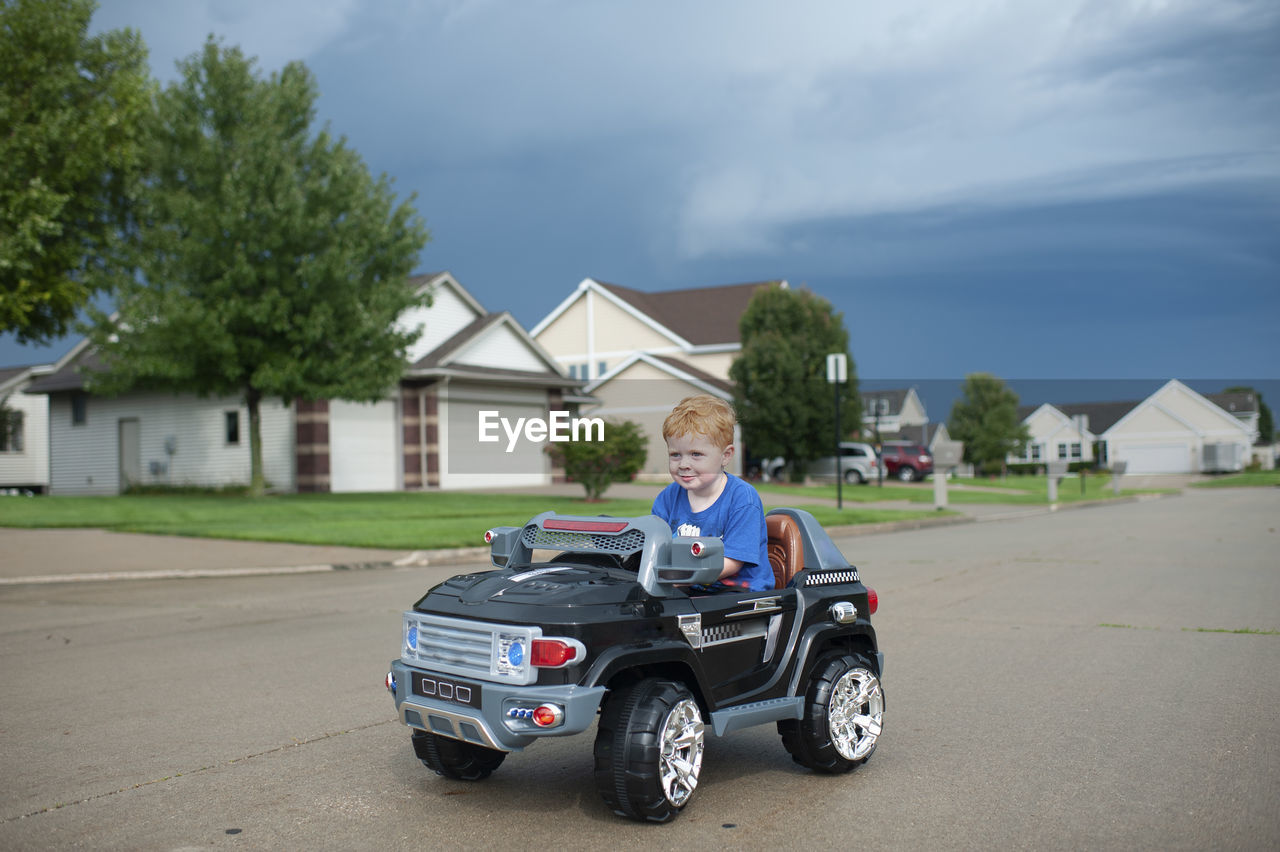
{"x": 1153, "y": 401}
{"x": 445, "y": 359}
{"x": 703, "y": 316}
{"x": 674, "y": 367}
{"x": 696, "y": 316}
{"x": 1238, "y": 403}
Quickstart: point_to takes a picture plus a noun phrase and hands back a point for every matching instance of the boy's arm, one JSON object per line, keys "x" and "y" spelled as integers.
{"x": 731, "y": 567}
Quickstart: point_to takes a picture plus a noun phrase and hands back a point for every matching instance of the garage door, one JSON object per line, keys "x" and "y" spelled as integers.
{"x": 1155, "y": 458}
{"x": 469, "y": 462}
{"x": 362, "y": 446}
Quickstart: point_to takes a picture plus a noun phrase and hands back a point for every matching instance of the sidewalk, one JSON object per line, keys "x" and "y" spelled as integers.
{"x": 81, "y": 555}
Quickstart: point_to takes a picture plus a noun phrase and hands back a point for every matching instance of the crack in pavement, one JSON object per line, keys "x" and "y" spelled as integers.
{"x": 297, "y": 744}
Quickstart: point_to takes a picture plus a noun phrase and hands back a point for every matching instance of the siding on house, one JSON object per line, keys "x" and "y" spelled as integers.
{"x": 448, "y": 314}
{"x": 501, "y": 349}
{"x": 28, "y": 467}
{"x": 88, "y": 457}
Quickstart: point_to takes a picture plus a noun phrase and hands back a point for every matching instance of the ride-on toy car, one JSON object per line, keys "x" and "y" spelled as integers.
{"x": 613, "y": 619}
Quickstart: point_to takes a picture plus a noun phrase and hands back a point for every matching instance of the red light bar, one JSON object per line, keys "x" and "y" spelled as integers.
{"x": 584, "y": 526}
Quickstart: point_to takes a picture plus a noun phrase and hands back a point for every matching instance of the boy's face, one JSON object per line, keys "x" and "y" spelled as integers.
{"x": 696, "y": 462}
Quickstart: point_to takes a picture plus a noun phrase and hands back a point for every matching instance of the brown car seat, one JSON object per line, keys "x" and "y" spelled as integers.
{"x": 786, "y": 550}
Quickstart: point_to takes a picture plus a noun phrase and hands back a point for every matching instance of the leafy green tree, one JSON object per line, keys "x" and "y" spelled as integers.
{"x": 597, "y": 464}
{"x": 986, "y": 419}
{"x": 784, "y": 403}
{"x": 72, "y": 109}
{"x": 271, "y": 264}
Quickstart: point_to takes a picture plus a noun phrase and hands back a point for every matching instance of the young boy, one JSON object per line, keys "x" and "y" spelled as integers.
{"x": 706, "y": 500}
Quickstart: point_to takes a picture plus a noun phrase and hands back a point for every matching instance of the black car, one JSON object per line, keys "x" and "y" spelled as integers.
{"x": 617, "y": 623}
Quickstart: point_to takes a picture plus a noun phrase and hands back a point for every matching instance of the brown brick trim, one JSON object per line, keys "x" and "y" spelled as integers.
{"x": 311, "y": 445}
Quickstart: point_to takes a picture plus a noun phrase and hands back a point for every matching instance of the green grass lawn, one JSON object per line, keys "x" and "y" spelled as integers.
{"x": 1250, "y": 478}
{"x": 395, "y": 521}
{"x": 1016, "y": 490}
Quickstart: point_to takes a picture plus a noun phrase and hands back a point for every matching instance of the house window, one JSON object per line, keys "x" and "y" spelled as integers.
{"x": 10, "y": 431}
{"x": 603, "y": 368}
{"x": 1075, "y": 452}
{"x": 1034, "y": 451}
{"x": 1062, "y": 451}
{"x": 233, "y": 427}
{"x": 79, "y": 409}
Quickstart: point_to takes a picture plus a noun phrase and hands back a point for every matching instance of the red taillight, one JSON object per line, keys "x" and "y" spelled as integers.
{"x": 696, "y": 549}
{"x": 488, "y": 536}
{"x": 873, "y": 600}
{"x": 552, "y": 653}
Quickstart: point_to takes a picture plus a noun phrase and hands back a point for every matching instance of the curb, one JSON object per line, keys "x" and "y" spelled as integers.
{"x": 445, "y": 556}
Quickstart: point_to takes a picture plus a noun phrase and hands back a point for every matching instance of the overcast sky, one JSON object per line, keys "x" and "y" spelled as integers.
{"x": 1037, "y": 189}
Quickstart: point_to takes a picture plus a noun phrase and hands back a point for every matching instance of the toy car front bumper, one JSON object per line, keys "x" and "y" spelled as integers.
{"x": 493, "y": 718}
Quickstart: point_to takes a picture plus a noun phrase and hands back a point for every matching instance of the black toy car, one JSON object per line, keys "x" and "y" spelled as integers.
{"x": 614, "y": 621}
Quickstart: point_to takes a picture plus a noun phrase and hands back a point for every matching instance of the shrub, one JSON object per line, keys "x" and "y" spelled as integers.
{"x": 597, "y": 464}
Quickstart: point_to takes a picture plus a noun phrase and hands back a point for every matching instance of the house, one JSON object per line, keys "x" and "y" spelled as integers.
{"x": 1068, "y": 432}
{"x": 643, "y": 352}
{"x": 428, "y": 432}
{"x": 889, "y": 413}
{"x": 1176, "y": 430}
{"x": 598, "y": 326}
{"x": 643, "y": 388}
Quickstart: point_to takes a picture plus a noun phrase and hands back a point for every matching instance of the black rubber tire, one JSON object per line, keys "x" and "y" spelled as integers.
{"x": 907, "y": 473}
{"x": 809, "y": 741}
{"x": 854, "y": 477}
{"x": 456, "y": 759}
{"x": 629, "y": 746}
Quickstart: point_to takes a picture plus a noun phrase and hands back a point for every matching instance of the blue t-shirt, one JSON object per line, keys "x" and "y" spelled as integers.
{"x": 736, "y": 518}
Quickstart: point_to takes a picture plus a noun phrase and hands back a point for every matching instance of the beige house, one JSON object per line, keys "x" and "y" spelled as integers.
{"x": 643, "y": 388}
{"x": 601, "y": 325}
{"x": 642, "y": 352}
{"x": 1176, "y": 430}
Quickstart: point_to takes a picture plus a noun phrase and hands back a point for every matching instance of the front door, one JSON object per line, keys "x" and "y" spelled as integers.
{"x": 130, "y": 452}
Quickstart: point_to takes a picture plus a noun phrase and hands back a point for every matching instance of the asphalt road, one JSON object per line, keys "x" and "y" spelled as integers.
{"x": 1049, "y": 683}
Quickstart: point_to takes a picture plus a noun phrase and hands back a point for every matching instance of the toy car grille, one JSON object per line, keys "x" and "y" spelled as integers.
{"x": 628, "y": 542}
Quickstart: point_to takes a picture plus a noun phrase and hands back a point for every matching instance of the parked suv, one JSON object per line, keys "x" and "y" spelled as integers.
{"x": 905, "y": 460}
{"x": 857, "y": 464}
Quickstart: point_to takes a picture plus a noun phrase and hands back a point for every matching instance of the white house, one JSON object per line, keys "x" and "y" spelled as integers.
{"x": 1176, "y": 430}
{"x": 425, "y": 433}
{"x": 890, "y": 413}
{"x": 1068, "y": 432}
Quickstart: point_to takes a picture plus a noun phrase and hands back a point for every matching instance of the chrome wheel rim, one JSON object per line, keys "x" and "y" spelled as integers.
{"x": 683, "y": 738}
{"x": 855, "y": 713}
